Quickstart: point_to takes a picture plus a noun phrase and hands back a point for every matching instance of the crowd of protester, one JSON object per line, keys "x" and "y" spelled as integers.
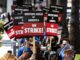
{"x": 47, "y": 49}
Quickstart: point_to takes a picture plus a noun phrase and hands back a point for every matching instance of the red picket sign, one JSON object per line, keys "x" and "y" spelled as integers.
{"x": 52, "y": 29}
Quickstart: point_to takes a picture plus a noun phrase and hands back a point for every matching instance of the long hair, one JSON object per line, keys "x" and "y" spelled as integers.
{"x": 8, "y": 56}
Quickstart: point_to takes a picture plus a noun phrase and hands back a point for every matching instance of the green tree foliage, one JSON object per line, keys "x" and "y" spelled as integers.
{"x": 0, "y": 37}
{"x": 1, "y": 27}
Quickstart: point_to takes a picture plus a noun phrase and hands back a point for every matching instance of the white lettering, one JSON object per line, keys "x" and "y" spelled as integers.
{"x": 25, "y": 9}
{"x": 55, "y": 30}
{"x": 8, "y": 24}
{"x": 20, "y": 22}
{"x": 20, "y": 17}
{"x": 18, "y": 32}
{"x": 55, "y": 15}
{"x": 57, "y": 7}
{"x": 18, "y": 9}
{"x": 39, "y": 14}
{"x": 33, "y": 25}
{"x": 48, "y": 29}
{"x": 29, "y": 14}
{"x": 52, "y": 30}
{"x": 55, "y": 11}
{"x": 31, "y": 20}
{"x": 33, "y": 30}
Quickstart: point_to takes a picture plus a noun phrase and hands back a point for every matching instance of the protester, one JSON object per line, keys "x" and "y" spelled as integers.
{"x": 69, "y": 54}
{"x": 38, "y": 54}
{"x": 8, "y": 56}
{"x": 51, "y": 53}
{"x": 46, "y": 52}
{"x": 25, "y": 51}
{"x": 58, "y": 51}
{"x": 64, "y": 46}
{"x": 24, "y": 56}
{"x": 54, "y": 48}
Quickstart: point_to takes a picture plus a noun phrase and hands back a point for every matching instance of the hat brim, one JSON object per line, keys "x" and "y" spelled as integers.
{"x": 69, "y": 51}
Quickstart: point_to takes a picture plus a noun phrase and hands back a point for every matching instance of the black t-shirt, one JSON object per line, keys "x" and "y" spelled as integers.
{"x": 54, "y": 47}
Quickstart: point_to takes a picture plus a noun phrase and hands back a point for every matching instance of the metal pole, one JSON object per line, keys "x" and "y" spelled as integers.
{"x": 45, "y": 19}
{"x": 34, "y": 42}
{"x": 14, "y": 48}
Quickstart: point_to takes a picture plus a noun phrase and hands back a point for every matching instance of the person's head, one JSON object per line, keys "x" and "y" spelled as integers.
{"x": 31, "y": 46}
{"x": 9, "y": 51}
{"x": 64, "y": 42}
{"x": 30, "y": 39}
{"x": 8, "y": 56}
{"x": 69, "y": 54}
{"x": 25, "y": 55}
{"x": 36, "y": 44}
{"x": 54, "y": 40}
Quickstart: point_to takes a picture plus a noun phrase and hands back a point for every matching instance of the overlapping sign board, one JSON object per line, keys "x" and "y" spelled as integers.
{"x": 18, "y": 26}
{"x": 33, "y": 23}
{"x": 27, "y": 5}
{"x": 57, "y": 8}
{"x": 52, "y": 17}
{"x": 30, "y": 23}
{"x": 33, "y": 29}
{"x": 33, "y": 16}
{"x": 19, "y": 31}
{"x": 51, "y": 29}
{"x": 22, "y": 9}
{"x": 37, "y": 29}
{"x": 18, "y": 10}
{"x": 55, "y": 13}
{"x": 9, "y": 29}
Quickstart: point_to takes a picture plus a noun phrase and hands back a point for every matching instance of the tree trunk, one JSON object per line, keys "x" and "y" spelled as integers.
{"x": 74, "y": 29}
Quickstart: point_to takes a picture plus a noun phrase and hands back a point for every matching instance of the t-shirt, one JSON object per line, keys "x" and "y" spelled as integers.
{"x": 21, "y": 49}
{"x": 22, "y": 40}
{"x": 54, "y": 47}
